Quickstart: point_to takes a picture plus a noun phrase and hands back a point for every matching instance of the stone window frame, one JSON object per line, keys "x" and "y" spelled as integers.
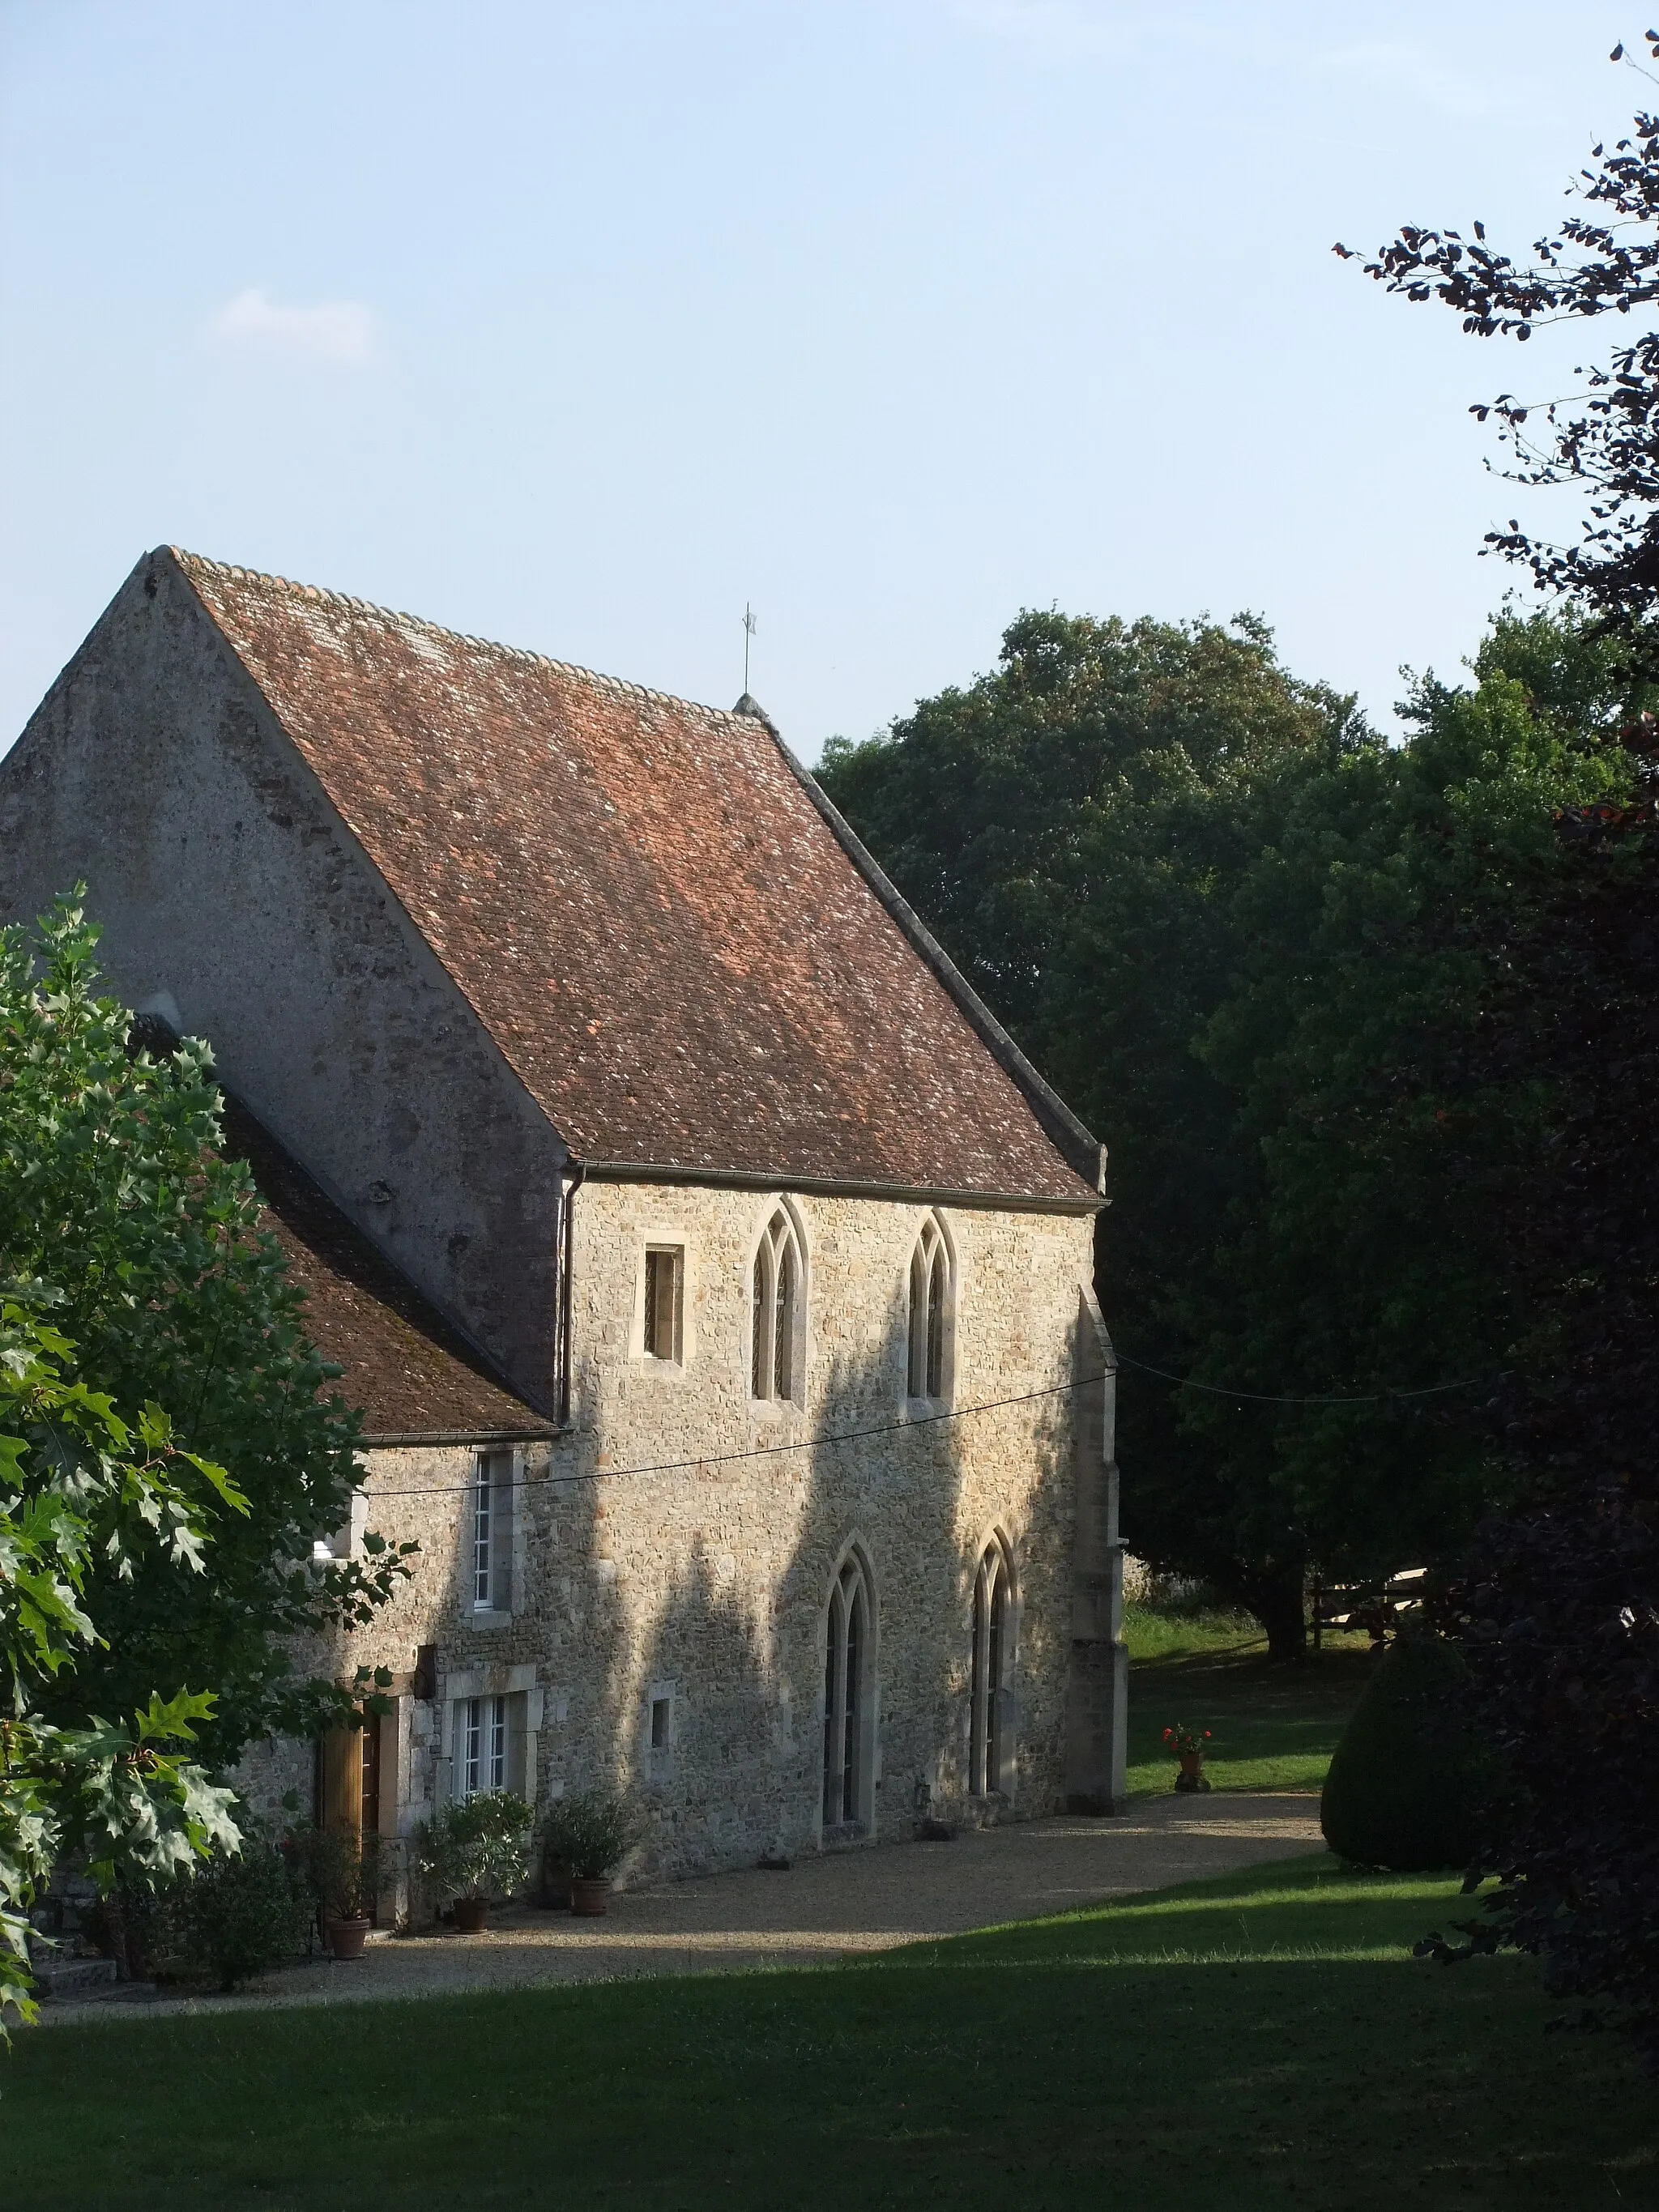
{"x": 933, "y": 1243}
{"x": 759, "y": 1276}
{"x": 992, "y": 1705}
{"x": 506, "y": 1568}
{"x": 664, "y": 1695}
{"x": 484, "y": 1743}
{"x": 524, "y": 1701}
{"x": 855, "y": 1824}
{"x": 667, "y": 1237}
{"x": 347, "y": 1541}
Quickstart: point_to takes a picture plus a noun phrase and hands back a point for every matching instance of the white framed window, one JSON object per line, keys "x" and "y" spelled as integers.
{"x": 489, "y": 1735}
{"x": 482, "y": 1753}
{"x": 777, "y": 1314}
{"x": 931, "y": 1340}
{"x": 990, "y": 1733}
{"x": 663, "y": 1336}
{"x": 487, "y": 1556}
{"x": 848, "y": 1700}
{"x": 492, "y": 1742}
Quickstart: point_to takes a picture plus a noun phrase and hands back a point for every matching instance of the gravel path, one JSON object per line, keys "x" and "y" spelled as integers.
{"x": 833, "y": 1907}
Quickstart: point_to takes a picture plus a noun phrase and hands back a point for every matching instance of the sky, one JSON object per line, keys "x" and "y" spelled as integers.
{"x": 583, "y": 327}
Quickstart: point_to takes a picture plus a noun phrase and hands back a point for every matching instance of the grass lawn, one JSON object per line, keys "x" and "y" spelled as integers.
{"x": 1274, "y": 1728}
{"x": 1238, "y": 2045}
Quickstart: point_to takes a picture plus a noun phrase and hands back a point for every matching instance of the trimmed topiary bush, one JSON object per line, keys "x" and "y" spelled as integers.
{"x": 1407, "y": 1779}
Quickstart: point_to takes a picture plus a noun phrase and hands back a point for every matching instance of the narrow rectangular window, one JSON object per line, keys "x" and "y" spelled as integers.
{"x": 849, "y": 1792}
{"x": 936, "y": 1326}
{"x": 484, "y": 1745}
{"x": 489, "y": 1562}
{"x": 784, "y": 1365}
{"x": 484, "y": 1530}
{"x": 658, "y": 1723}
{"x": 832, "y": 1642}
{"x": 760, "y": 1351}
{"x": 471, "y": 1745}
{"x": 917, "y": 1384}
{"x": 664, "y": 1300}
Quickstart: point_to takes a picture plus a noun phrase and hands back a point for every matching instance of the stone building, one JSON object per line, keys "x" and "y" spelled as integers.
{"x": 714, "y": 1272}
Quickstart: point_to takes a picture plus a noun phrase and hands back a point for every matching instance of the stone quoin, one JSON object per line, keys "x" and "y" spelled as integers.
{"x": 712, "y": 1270}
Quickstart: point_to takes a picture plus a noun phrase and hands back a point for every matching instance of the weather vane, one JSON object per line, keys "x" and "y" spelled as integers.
{"x": 748, "y": 640}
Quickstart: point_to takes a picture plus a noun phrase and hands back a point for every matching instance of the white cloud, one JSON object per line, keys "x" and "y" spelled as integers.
{"x": 340, "y": 332}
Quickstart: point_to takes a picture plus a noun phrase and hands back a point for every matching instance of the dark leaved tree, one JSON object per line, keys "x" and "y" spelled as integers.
{"x": 1602, "y": 260}
{"x": 1556, "y": 1603}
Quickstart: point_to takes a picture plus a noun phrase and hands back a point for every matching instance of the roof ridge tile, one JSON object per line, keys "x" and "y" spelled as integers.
{"x": 324, "y": 594}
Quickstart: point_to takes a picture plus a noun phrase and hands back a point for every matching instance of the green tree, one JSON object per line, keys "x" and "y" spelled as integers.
{"x": 113, "y": 1190}
{"x": 1390, "y": 916}
{"x": 1076, "y": 826}
{"x": 81, "y": 1487}
{"x": 1252, "y": 944}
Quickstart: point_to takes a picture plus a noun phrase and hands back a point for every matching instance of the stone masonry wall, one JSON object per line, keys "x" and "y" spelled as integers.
{"x": 637, "y": 1577}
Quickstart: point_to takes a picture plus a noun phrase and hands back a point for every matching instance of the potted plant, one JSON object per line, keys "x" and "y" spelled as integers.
{"x": 1188, "y": 1745}
{"x": 589, "y": 1835}
{"x": 475, "y": 1849}
{"x": 342, "y": 1866}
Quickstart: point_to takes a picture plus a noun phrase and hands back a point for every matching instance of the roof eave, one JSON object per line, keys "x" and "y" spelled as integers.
{"x": 808, "y": 1186}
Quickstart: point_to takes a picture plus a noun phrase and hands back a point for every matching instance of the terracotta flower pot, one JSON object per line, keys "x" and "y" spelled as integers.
{"x": 588, "y": 1896}
{"x": 346, "y": 1937}
{"x": 1192, "y": 1776}
{"x": 471, "y": 1915}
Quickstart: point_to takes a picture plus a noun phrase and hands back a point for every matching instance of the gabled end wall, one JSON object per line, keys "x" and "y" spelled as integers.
{"x": 236, "y": 905}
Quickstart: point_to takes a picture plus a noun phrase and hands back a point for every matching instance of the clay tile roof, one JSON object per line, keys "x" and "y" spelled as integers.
{"x": 651, "y": 908}
{"x": 408, "y": 1372}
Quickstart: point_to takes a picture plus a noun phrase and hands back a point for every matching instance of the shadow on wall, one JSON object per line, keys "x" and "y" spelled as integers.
{"x": 782, "y": 1650}
{"x": 803, "y": 1671}
{"x": 812, "y": 1627}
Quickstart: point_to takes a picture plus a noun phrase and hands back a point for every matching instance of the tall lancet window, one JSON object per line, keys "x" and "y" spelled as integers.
{"x": 990, "y": 1746}
{"x": 930, "y": 1315}
{"x": 776, "y": 1313}
{"x": 846, "y": 1654}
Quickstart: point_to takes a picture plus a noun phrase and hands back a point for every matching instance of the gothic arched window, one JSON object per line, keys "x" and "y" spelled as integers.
{"x": 930, "y": 1315}
{"x": 776, "y": 1316}
{"x": 989, "y": 1743}
{"x": 846, "y": 1697}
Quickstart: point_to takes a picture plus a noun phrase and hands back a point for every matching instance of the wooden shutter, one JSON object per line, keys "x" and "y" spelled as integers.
{"x": 340, "y": 1794}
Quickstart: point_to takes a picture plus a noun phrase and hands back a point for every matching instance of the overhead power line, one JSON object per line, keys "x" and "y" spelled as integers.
{"x": 696, "y": 1461}
{"x": 1261, "y": 1397}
